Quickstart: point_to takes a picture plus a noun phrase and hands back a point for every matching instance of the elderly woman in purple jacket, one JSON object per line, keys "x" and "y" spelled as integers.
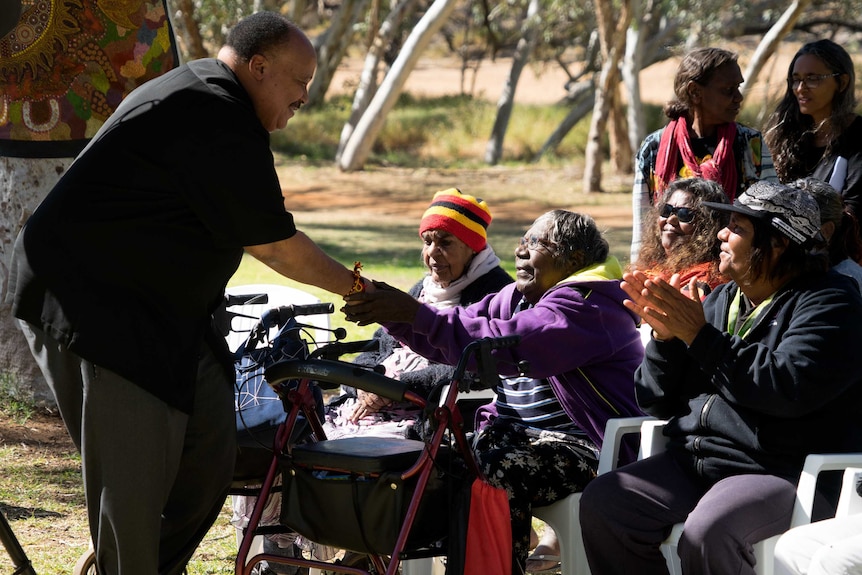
{"x": 539, "y": 440}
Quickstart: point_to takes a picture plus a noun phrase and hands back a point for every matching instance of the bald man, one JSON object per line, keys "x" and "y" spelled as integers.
{"x": 116, "y": 275}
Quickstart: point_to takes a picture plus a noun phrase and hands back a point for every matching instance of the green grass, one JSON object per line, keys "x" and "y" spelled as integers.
{"x": 10, "y": 399}
{"x": 42, "y": 497}
{"x": 253, "y": 272}
{"x": 443, "y": 131}
{"x": 48, "y": 514}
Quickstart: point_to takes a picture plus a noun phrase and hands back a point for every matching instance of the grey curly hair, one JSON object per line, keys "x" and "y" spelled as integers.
{"x": 579, "y": 241}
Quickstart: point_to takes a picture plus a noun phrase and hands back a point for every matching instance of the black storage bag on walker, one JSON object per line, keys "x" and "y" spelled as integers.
{"x": 365, "y": 513}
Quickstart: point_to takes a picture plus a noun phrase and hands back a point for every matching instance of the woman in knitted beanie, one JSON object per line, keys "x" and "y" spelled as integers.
{"x": 461, "y": 269}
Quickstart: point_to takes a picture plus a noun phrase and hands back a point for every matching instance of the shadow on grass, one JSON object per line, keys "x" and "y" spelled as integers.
{"x": 14, "y": 513}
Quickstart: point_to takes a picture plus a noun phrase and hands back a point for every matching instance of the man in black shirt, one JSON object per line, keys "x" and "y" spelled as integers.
{"x": 116, "y": 275}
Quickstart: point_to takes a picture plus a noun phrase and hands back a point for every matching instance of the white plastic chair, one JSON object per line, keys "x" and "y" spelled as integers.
{"x": 798, "y": 546}
{"x": 562, "y": 515}
{"x": 850, "y": 502}
{"x": 652, "y": 441}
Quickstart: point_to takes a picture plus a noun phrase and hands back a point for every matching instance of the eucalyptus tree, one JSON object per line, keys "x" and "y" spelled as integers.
{"x": 523, "y": 50}
{"x": 358, "y": 146}
{"x": 367, "y": 86}
{"x": 541, "y": 33}
{"x": 612, "y": 25}
{"x": 332, "y": 45}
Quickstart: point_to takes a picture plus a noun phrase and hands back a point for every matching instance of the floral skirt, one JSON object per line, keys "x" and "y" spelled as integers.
{"x": 536, "y": 468}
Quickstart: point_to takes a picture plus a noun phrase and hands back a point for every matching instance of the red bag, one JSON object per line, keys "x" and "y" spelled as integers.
{"x": 489, "y": 532}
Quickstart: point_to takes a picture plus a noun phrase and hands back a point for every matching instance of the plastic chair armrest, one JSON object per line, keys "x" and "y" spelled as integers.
{"x": 615, "y": 429}
{"x": 652, "y": 440}
{"x": 814, "y": 465}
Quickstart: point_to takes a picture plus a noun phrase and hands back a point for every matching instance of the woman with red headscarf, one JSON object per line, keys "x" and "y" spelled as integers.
{"x": 702, "y": 138}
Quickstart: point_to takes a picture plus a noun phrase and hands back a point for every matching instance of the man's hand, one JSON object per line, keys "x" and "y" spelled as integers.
{"x": 662, "y": 305}
{"x": 380, "y": 303}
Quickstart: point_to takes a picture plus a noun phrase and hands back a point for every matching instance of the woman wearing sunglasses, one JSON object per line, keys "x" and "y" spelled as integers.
{"x": 684, "y": 239}
{"x": 815, "y": 131}
{"x": 751, "y": 381}
{"x": 702, "y": 138}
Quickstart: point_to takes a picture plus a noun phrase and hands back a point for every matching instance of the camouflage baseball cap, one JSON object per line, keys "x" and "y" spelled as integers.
{"x": 791, "y": 211}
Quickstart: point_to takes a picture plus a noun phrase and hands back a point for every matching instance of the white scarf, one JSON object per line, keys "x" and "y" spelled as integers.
{"x": 450, "y": 296}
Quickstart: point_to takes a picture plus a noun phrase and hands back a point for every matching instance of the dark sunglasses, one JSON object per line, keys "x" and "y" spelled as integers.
{"x": 685, "y": 215}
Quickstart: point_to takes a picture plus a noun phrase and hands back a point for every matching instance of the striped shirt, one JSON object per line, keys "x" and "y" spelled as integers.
{"x": 533, "y": 403}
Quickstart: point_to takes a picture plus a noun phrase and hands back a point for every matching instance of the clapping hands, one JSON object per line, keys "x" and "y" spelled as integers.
{"x": 662, "y": 304}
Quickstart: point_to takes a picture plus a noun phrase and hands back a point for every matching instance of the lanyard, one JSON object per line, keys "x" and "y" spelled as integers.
{"x": 733, "y": 315}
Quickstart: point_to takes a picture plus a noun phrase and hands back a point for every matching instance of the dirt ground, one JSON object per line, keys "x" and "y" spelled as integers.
{"x": 546, "y": 84}
{"x": 42, "y": 431}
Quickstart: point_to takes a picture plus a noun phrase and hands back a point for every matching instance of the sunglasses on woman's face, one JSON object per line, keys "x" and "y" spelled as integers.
{"x": 685, "y": 215}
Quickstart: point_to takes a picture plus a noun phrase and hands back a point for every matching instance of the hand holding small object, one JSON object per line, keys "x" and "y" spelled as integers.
{"x": 385, "y": 303}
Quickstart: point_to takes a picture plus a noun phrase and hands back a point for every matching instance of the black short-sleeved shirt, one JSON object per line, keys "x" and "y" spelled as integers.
{"x": 129, "y": 254}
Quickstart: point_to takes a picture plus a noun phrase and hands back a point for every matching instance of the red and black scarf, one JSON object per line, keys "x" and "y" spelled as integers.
{"x": 721, "y": 167}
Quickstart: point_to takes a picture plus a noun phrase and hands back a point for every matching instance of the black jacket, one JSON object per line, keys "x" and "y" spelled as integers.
{"x": 759, "y": 404}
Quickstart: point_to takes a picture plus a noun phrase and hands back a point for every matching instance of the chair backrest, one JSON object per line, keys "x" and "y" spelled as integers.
{"x": 645, "y": 331}
{"x": 850, "y": 502}
{"x": 278, "y": 295}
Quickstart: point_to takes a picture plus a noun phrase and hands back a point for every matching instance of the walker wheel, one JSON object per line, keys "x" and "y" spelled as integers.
{"x": 86, "y": 564}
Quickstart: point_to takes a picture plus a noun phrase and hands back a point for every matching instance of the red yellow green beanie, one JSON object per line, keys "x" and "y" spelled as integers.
{"x": 462, "y": 215}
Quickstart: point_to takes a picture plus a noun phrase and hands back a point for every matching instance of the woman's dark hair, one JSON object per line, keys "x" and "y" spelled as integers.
{"x": 703, "y": 246}
{"x": 789, "y": 134}
{"x": 698, "y": 66}
{"x": 579, "y": 241}
{"x": 844, "y": 242}
{"x": 260, "y": 33}
{"x": 794, "y": 261}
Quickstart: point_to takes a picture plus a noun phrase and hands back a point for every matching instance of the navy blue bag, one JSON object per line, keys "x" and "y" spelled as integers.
{"x": 259, "y": 410}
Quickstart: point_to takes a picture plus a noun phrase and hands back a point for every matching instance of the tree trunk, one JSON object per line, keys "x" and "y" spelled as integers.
{"x": 582, "y": 102}
{"x": 331, "y": 47}
{"x": 190, "y": 32}
{"x": 368, "y": 78}
{"x": 631, "y": 68}
{"x": 24, "y": 183}
{"x": 296, "y": 10}
{"x": 640, "y": 54}
{"x": 583, "y": 95}
{"x": 621, "y": 150}
{"x": 523, "y": 50}
{"x": 359, "y": 145}
{"x": 770, "y": 42}
{"x": 613, "y": 39}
